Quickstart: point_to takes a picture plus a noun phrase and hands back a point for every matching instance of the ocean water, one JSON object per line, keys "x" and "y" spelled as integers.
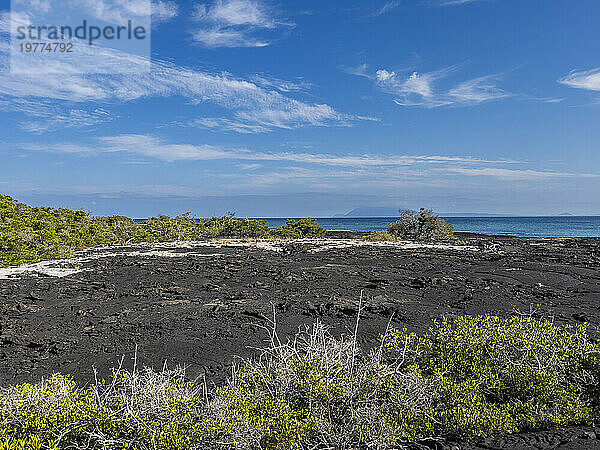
{"x": 559, "y": 226}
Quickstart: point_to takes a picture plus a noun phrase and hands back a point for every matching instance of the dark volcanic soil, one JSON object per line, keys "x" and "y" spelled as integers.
{"x": 198, "y": 305}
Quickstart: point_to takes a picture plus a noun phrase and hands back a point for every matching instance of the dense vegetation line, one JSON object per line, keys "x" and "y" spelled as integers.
{"x": 32, "y": 234}
{"x": 29, "y": 234}
{"x": 466, "y": 377}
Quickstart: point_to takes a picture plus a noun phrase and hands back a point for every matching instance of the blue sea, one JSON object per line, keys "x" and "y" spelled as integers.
{"x": 559, "y": 226}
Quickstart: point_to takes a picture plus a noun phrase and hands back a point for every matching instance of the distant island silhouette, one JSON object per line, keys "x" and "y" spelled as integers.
{"x": 384, "y": 211}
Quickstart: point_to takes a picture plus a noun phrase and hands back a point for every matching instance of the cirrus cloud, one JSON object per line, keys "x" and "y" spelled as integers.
{"x": 421, "y": 90}
{"x": 586, "y": 79}
{"x": 236, "y": 23}
{"x": 259, "y": 105}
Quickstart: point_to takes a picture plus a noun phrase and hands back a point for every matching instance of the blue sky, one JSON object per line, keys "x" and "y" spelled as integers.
{"x": 281, "y": 108}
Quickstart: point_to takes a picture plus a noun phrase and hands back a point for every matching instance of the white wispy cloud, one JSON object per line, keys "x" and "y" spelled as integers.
{"x": 236, "y": 23}
{"x": 259, "y": 171}
{"x": 154, "y": 147}
{"x": 49, "y": 117}
{"x": 253, "y": 107}
{"x": 362, "y": 70}
{"x": 116, "y": 11}
{"x": 73, "y": 118}
{"x": 292, "y": 116}
{"x": 37, "y": 5}
{"x": 420, "y": 89}
{"x": 587, "y": 79}
{"x": 217, "y": 37}
{"x": 252, "y": 170}
{"x": 478, "y": 90}
{"x": 237, "y": 13}
{"x": 516, "y": 174}
{"x": 387, "y": 7}
{"x": 455, "y": 2}
{"x": 251, "y": 166}
{"x": 547, "y": 99}
{"x": 163, "y": 11}
{"x": 119, "y": 11}
{"x": 14, "y": 18}
{"x": 270, "y": 82}
{"x": 265, "y": 120}
{"x": 222, "y": 124}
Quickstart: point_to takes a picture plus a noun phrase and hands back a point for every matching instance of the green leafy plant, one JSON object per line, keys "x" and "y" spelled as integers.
{"x": 466, "y": 377}
{"x": 381, "y": 236}
{"x": 493, "y": 374}
{"x": 33, "y": 234}
{"x": 421, "y": 225}
{"x": 167, "y": 229}
{"x": 304, "y": 228}
{"x": 30, "y": 234}
{"x": 229, "y": 226}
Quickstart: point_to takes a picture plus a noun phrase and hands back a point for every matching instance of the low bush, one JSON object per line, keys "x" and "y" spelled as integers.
{"x": 421, "y": 225}
{"x": 30, "y": 234}
{"x": 466, "y": 377}
{"x": 119, "y": 229}
{"x": 167, "y": 229}
{"x": 381, "y": 236}
{"x": 304, "y": 228}
{"x": 141, "y": 409}
{"x": 503, "y": 375}
{"x": 33, "y": 234}
{"x": 229, "y": 226}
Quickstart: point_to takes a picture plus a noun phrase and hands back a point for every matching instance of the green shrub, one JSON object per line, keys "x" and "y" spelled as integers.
{"x": 493, "y": 374}
{"x": 134, "y": 410}
{"x": 304, "y": 228}
{"x": 167, "y": 229}
{"x": 229, "y": 226}
{"x": 118, "y": 229}
{"x": 466, "y": 377}
{"x": 421, "y": 225}
{"x": 35, "y": 234}
{"x": 381, "y": 236}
